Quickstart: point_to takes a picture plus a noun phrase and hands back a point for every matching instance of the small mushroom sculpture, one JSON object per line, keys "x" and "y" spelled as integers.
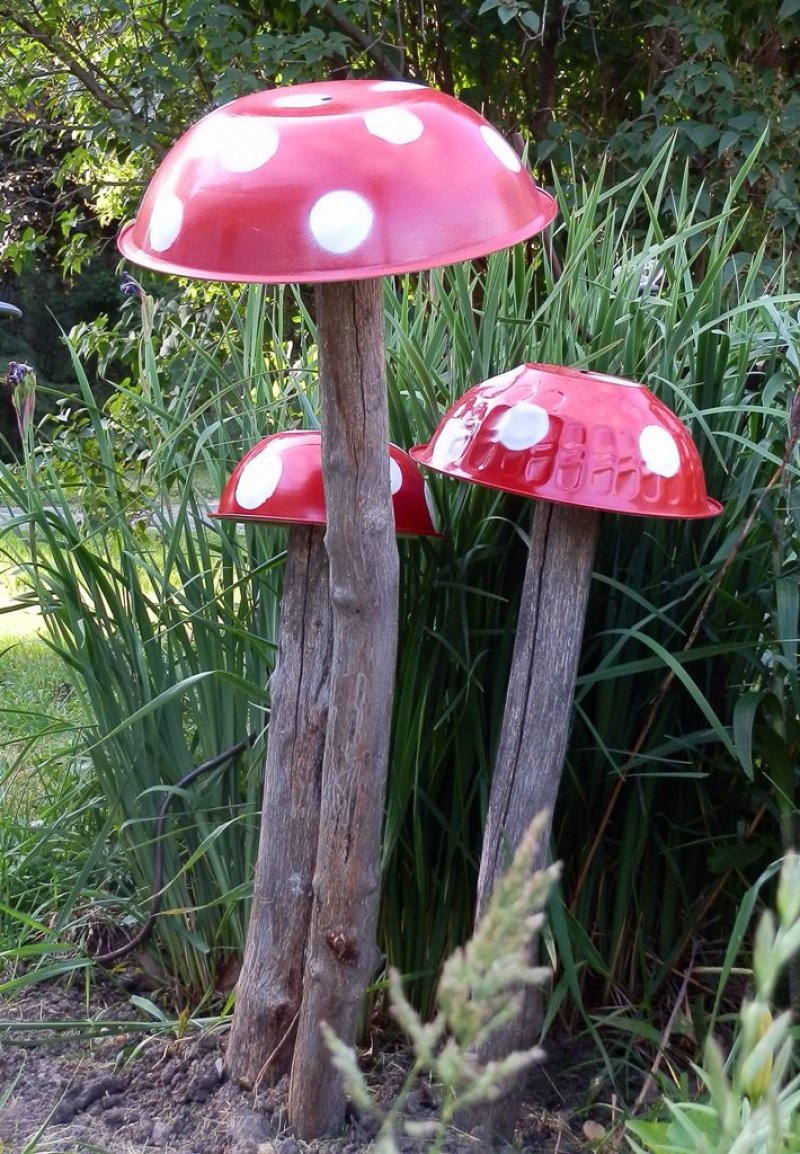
{"x": 279, "y": 481}
{"x": 580, "y": 443}
{"x": 338, "y": 184}
{"x": 9, "y": 310}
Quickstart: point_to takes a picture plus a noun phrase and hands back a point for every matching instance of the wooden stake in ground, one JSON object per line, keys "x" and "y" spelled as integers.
{"x": 533, "y": 742}
{"x": 342, "y": 952}
{"x": 581, "y": 443}
{"x": 279, "y": 480}
{"x": 271, "y": 980}
{"x": 337, "y": 184}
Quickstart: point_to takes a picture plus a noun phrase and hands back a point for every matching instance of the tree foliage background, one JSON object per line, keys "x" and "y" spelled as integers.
{"x": 93, "y": 94}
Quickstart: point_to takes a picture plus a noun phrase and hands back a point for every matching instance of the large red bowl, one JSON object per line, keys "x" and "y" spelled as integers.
{"x": 333, "y": 181}
{"x": 280, "y": 480}
{"x": 569, "y": 435}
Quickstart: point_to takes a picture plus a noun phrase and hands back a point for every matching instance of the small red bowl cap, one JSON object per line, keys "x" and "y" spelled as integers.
{"x": 575, "y": 437}
{"x": 334, "y": 181}
{"x": 280, "y": 480}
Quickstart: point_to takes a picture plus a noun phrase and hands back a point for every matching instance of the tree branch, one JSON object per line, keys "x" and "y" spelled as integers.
{"x": 370, "y": 44}
{"x": 62, "y": 52}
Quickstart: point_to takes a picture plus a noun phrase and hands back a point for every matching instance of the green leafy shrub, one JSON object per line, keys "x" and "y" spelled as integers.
{"x": 751, "y": 1097}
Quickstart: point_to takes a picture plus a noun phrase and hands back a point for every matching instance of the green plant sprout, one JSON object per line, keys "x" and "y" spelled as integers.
{"x": 475, "y": 997}
{"x": 752, "y": 1099}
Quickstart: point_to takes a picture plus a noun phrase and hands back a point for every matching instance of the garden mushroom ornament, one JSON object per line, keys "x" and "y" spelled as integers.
{"x": 580, "y": 443}
{"x": 279, "y": 481}
{"x": 339, "y": 184}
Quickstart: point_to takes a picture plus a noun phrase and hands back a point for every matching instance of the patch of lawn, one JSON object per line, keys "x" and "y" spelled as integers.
{"x": 39, "y": 712}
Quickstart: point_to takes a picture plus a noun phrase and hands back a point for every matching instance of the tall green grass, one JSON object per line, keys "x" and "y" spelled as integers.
{"x": 165, "y": 621}
{"x": 682, "y": 756}
{"x": 688, "y": 806}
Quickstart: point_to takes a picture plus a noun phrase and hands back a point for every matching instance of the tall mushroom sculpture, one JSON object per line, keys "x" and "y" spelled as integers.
{"x": 581, "y": 443}
{"x": 339, "y": 184}
{"x": 279, "y": 481}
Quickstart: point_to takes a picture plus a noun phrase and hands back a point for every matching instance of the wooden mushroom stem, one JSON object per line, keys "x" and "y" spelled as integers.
{"x": 271, "y": 982}
{"x": 342, "y": 953}
{"x": 533, "y": 738}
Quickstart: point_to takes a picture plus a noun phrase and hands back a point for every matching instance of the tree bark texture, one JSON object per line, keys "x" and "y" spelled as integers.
{"x": 270, "y": 984}
{"x": 533, "y": 738}
{"x": 362, "y": 553}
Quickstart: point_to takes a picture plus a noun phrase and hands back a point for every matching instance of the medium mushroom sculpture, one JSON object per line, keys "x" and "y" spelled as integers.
{"x": 280, "y": 481}
{"x": 341, "y": 183}
{"x": 581, "y": 444}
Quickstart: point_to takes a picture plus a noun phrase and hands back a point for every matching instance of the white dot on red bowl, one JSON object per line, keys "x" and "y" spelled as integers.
{"x": 395, "y": 125}
{"x": 659, "y": 451}
{"x": 394, "y": 86}
{"x": 395, "y": 476}
{"x": 259, "y": 478}
{"x": 451, "y": 441}
{"x": 341, "y": 220}
{"x": 247, "y": 143}
{"x": 166, "y": 220}
{"x": 522, "y": 427}
{"x": 432, "y": 510}
{"x": 302, "y": 100}
{"x": 501, "y": 148}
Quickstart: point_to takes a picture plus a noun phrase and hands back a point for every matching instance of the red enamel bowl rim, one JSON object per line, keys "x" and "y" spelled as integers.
{"x": 311, "y": 437}
{"x": 517, "y": 209}
{"x": 356, "y": 272}
{"x": 422, "y": 453}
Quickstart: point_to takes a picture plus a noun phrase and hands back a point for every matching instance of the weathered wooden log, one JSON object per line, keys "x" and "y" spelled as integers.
{"x": 533, "y": 740}
{"x": 270, "y": 984}
{"x": 342, "y": 953}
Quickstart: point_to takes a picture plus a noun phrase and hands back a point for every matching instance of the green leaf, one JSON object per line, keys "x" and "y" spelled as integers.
{"x": 744, "y": 713}
{"x": 727, "y": 140}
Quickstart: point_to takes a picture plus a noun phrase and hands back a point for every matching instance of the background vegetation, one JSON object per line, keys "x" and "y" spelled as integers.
{"x": 669, "y": 135}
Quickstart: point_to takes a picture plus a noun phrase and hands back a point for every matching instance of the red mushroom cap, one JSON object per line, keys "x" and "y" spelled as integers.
{"x": 334, "y": 181}
{"x": 575, "y": 437}
{"x": 280, "y": 479}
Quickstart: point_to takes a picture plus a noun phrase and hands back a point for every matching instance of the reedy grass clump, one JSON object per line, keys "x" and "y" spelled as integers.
{"x": 669, "y": 804}
{"x": 168, "y": 623}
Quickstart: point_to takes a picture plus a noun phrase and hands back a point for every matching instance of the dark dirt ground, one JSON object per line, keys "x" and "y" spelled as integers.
{"x": 129, "y": 1093}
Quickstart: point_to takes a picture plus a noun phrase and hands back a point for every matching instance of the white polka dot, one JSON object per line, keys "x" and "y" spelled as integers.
{"x": 432, "y": 510}
{"x": 501, "y": 148}
{"x": 451, "y": 441}
{"x": 394, "y": 86}
{"x": 340, "y": 221}
{"x": 395, "y": 476}
{"x": 259, "y": 478}
{"x": 246, "y": 144}
{"x": 659, "y": 451}
{"x": 522, "y": 427}
{"x": 395, "y": 125}
{"x": 165, "y": 221}
{"x": 302, "y": 100}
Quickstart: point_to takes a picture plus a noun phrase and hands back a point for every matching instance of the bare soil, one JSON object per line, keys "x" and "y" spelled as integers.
{"x": 123, "y": 1091}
